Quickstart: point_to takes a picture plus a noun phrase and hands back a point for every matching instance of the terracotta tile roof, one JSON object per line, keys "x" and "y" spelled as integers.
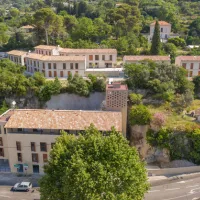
{"x": 45, "y": 47}
{"x": 64, "y": 119}
{"x": 161, "y": 23}
{"x": 87, "y": 51}
{"x": 140, "y": 58}
{"x": 188, "y": 58}
{"x": 54, "y": 58}
{"x": 16, "y": 53}
{"x": 28, "y": 27}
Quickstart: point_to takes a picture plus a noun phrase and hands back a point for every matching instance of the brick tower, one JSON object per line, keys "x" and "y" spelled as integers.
{"x": 116, "y": 100}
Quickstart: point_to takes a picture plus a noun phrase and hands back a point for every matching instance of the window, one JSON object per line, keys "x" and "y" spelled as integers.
{"x": 1, "y": 152}
{"x": 1, "y": 141}
{"x": 76, "y": 65}
{"x": 96, "y": 57}
{"x": 191, "y": 65}
{"x": 18, "y": 145}
{"x": 49, "y": 53}
{"x": 49, "y": 65}
{"x": 54, "y": 65}
{"x": 191, "y": 74}
{"x": 45, "y": 158}
{"x": 35, "y": 157}
{"x": 68, "y": 73}
{"x": 32, "y": 146}
{"x": 50, "y": 75}
{"x": 184, "y": 65}
{"x": 43, "y": 146}
{"x": 43, "y": 66}
{"x": 103, "y": 57}
{"x": 64, "y": 65}
{"x": 90, "y": 65}
{"x": 161, "y": 30}
{"x": 110, "y": 57}
{"x": 52, "y": 145}
{"x": 198, "y": 73}
{"x": 19, "y": 157}
{"x": 34, "y": 63}
{"x": 71, "y": 66}
{"x": 90, "y": 57}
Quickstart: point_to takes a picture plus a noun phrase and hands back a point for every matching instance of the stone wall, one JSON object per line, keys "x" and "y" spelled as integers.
{"x": 68, "y": 101}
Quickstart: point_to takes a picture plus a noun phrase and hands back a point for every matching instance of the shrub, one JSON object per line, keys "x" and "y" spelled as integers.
{"x": 135, "y": 98}
{"x": 139, "y": 115}
{"x": 158, "y": 119}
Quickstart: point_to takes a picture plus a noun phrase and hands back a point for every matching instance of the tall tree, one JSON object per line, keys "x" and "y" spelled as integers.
{"x": 45, "y": 19}
{"x": 93, "y": 167}
{"x": 156, "y": 43}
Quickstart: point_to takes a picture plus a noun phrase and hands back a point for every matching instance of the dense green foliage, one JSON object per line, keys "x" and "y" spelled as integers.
{"x": 93, "y": 24}
{"x": 93, "y": 167}
{"x": 139, "y": 115}
{"x": 181, "y": 144}
{"x": 163, "y": 80}
{"x": 135, "y": 98}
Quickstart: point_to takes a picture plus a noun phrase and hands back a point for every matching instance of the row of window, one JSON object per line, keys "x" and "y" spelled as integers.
{"x": 43, "y": 52}
{"x": 97, "y": 57}
{"x": 35, "y": 157}
{"x": 43, "y": 146}
{"x": 191, "y": 65}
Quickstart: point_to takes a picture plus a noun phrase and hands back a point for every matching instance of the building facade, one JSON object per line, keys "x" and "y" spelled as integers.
{"x": 165, "y": 30}
{"x": 55, "y": 61}
{"x": 190, "y": 63}
{"x": 27, "y": 136}
{"x": 17, "y": 57}
{"x": 137, "y": 59}
{"x": 55, "y": 66}
{"x": 95, "y": 58}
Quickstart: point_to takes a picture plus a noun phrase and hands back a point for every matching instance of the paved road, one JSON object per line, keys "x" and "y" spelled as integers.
{"x": 179, "y": 190}
{"x": 7, "y": 194}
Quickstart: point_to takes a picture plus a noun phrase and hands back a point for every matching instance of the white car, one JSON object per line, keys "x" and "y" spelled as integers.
{"x": 23, "y": 186}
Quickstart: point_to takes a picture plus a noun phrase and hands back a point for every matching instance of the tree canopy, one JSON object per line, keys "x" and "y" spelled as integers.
{"x": 93, "y": 166}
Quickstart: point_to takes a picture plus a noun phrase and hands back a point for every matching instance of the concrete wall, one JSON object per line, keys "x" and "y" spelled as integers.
{"x": 74, "y": 102}
{"x": 164, "y": 31}
{"x": 174, "y": 171}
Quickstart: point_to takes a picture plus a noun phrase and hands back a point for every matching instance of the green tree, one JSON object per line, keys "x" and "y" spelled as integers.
{"x": 135, "y": 98}
{"x": 45, "y": 19}
{"x": 3, "y": 34}
{"x": 14, "y": 12}
{"x": 139, "y": 115}
{"x": 156, "y": 43}
{"x": 93, "y": 167}
{"x": 56, "y": 86}
{"x": 178, "y": 42}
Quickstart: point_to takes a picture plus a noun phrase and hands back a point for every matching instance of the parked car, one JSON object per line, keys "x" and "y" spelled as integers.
{"x": 23, "y": 186}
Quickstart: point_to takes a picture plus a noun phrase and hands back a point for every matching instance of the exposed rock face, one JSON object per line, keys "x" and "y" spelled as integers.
{"x": 162, "y": 156}
{"x": 177, "y": 163}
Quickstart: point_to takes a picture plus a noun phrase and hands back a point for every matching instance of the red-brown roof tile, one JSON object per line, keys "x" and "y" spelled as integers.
{"x": 64, "y": 119}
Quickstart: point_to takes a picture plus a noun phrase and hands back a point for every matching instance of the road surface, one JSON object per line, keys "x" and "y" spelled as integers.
{"x": 178, "y": 190}
{"x": 7, "y": 194}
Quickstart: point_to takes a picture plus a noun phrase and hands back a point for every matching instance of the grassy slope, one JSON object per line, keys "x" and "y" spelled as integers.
{"x": 175, "y": 120}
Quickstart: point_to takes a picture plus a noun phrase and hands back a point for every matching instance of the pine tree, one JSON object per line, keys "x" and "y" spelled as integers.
{"x": 156, "y": 43}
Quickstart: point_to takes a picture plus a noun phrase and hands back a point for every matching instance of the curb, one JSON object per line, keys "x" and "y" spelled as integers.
{"x": 172, "y": 179}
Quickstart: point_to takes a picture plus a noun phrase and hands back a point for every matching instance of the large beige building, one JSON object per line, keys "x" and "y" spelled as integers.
{"x": 56, "y": 61}
{"x": 137, "y": 59}
{"x": 27, "y": 136}
{"x": 190, "y": 63}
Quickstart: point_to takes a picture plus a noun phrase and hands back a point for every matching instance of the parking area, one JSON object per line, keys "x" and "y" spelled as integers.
{"x": 7, "y": 194}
